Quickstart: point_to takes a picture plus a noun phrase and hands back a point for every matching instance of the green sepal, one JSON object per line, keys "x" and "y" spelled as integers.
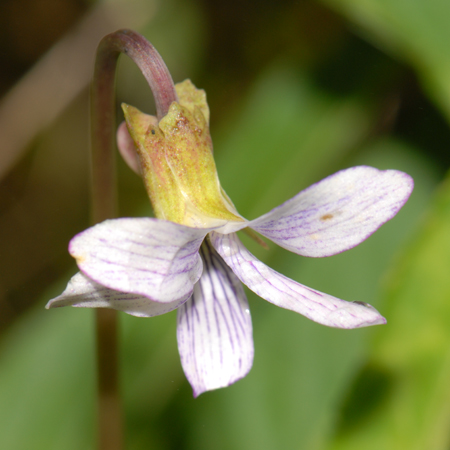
{"x": 177, "y": 162}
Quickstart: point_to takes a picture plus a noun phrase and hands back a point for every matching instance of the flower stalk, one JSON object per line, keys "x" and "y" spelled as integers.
{"x": 104, "y": 198}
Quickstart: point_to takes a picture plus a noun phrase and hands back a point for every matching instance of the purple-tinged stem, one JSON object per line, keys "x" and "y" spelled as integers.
{"x": 103, "y": 127}
{"x": 104, "y": 197}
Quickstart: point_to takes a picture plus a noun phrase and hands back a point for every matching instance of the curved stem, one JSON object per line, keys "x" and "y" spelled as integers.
{"x": 103, "y": 110}
{"x": 104, "y": 197}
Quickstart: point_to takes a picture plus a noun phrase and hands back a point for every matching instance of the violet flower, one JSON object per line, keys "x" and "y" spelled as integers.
{"x": 191, "y": 258}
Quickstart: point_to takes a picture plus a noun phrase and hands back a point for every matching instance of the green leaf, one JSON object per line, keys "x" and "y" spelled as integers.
{"x": 401, "y": 397}
{"x": 47, "y": 392}
{"x": 301, "y": 369}
{"x": 416, "y": 31}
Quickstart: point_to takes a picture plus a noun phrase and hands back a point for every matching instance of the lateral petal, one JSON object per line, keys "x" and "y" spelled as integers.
{"x": 84, "y": 293}
{"x": 214, "y": 328}
{"x": 287, "y": 293}
{"x": 336, "y": 213}
{"x": 144, "y": 256}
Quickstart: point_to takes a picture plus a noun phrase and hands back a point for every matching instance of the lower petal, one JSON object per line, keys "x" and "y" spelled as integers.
{"x": 214, "y": 328}
{"x": 85, "y": 293}
{"x": 287, "y": 293}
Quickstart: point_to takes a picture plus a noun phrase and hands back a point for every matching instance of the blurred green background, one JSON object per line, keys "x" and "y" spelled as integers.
{"x": 297, "y": 90}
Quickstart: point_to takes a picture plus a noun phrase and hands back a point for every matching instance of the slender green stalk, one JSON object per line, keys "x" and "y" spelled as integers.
{"x": 104, "y": 198}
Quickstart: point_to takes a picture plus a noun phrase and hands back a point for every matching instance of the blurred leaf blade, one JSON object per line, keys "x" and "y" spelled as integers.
{"x": 47, "y": 382}
{"x": 412, "y": 353}
{"x": 301, "y": 369}
{"x": 416, "y": 31}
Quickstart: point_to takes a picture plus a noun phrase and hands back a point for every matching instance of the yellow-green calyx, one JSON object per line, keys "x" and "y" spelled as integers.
{"x": 177, "y": 162}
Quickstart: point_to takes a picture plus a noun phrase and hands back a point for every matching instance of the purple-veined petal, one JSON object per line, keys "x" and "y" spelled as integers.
{"x": 150, "y": 257}
{"x": 84, "y": 293}
{"x": 214, "y": 328}
{"x": 336, "y": 213}
{"x": 287, "y": 293}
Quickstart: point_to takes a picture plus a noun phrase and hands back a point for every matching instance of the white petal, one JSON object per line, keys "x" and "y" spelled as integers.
{"x": 336, "y": 213}
{"x": 85, "y": 293}
{"x": 149, "y": 257}
{"x": 214, "y": 328}
{"x": 287, "y": 293}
